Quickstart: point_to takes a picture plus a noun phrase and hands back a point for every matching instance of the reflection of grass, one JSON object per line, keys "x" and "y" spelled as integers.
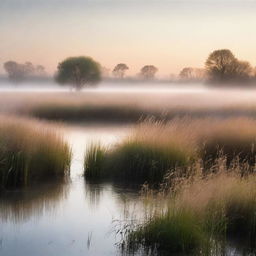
{"x": 34, "y": 201}
{"x": 30, "y": 152}
{"x": 202, "y": 211}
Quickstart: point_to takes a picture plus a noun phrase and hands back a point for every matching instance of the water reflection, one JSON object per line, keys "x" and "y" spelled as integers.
{"x": 21, "y": 205}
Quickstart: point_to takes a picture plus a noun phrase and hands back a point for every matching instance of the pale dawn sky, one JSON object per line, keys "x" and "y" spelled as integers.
{"x": 169, "y": 34}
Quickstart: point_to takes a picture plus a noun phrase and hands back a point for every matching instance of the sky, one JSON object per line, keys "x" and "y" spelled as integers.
{"x": 170, "y": 34}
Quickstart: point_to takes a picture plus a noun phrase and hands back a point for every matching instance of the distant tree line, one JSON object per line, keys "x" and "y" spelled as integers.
{"x": 221, "y": 67}
{"x": 19, "y": 71}
{"x": 146, "y": 72}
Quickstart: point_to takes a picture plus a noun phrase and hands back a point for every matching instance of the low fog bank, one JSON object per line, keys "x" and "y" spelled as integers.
{"x": 123, "y": 86}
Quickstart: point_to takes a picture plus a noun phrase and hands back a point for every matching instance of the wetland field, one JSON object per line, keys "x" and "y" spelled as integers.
{"x": 127, "y": 170}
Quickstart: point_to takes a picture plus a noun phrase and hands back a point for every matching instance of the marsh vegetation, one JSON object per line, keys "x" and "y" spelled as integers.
{"x": 30, "y": 152}
{"x": 195, "y": 168}
{"x": 198, "y": 179}
{"x": 156, "y": 148}
{"x": 200, "y": 214}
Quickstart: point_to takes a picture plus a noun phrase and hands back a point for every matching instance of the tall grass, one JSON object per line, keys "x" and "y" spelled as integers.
{"x": 154, "y": 148}
{"x": 93, "y": 162}
{"x": 145, "y": 156}
{"x": 200, "y": 213}
{"x": 30, "y": 152}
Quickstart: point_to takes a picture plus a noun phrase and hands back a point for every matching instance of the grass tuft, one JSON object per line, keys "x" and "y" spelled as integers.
{"x": 202, "y": 214}
{"x": 143, "y": 157}
{"x": 30, "y": 152}
{"x": 94, "y": 161}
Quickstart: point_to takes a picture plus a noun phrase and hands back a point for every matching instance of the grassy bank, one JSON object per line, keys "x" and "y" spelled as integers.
{"x": 146, "y": 155}
{"x": 129, "y": 113}
{"x": 129, "y": 107}
{"x": 30, "y": 152}
{"x": 156, "y": 148}
{"x": 200, "y": 214}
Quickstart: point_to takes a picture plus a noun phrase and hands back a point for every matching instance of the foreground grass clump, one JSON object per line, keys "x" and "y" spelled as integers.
{"x": 158, "y": 147}
{"x": 201, "y": 213}
{"x": 30, "y": 152}
{"x": 176, "y": 232}
{"x": 143, "y": 157}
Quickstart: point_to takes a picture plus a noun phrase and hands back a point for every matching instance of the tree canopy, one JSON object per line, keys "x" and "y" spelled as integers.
{"x": 119, "y": 70}
{"x": 18, "y": 72}
{"x": 192, "y": 74}
{"x": 222, "y": 66}
{"x": 78, "y": 71}
{"x": 148, "y": 72}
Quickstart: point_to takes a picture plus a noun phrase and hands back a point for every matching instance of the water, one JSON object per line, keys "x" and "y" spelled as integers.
{"x": 74, "y": 218}
{"x": 77, "y": 218}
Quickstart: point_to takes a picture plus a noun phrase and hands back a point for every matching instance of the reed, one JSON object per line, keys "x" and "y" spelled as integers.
{"x": 30, "y": 152}
{"x": 146, "y": 156}
{"x": 201, "y": 213}
{"x": 94, "y": 161}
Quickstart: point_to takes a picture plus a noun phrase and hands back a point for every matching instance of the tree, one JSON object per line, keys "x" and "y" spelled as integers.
{"x": 243, "y": 70}
{"x": 222, "y": 66}
{"x": 78, "y": 71}
{"x": 186, "y": 73}
{"x": 119, "y": 70}
{"x": 40, "y": 70}
{"x": 192, "y": 74}
{"x": 16, "y": 72}
{"x": 148, "y": 72}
